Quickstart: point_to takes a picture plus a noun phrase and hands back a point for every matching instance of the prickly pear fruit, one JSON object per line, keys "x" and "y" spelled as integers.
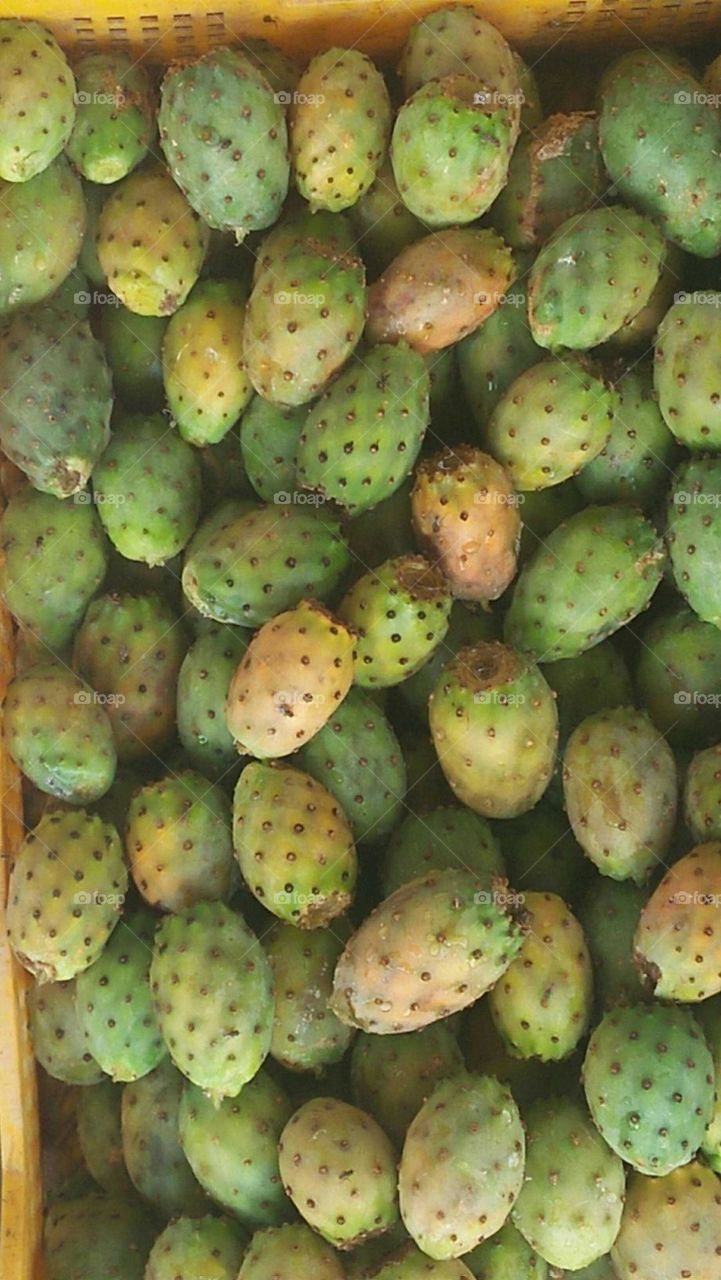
{"x": 399, "y": 612}
{"x": 382, "y": 222}
{"x": 409, "y": 1263}
{"x": 133, "y": 348}
{"x": 203, "y": 684}
{"x": 114, "y": 123}
{"x": 307, "y": 1035}
{"x": 100, "y": 1136}
{"x": 634, "y": 464}
{"x": 430, "y": 949}
{"x": 709, "y": 1019}
{"x": 280, "y": 70}
{"x": 298, "y": 227}
{"x": 543, "y": 511}
{"x": 291, "y": 1252}
{"x": 224, "y": 136}
{"x": 596, "y": 680}
{"x": 702, "y": 795}
{"x": 465, "y": 627}
{"x": 609, "y": 913}
{"x": 466, "y": 517}
{"x": 233, "y": 1148}
{"x": 462, "y": 1165}
{"x": 197, "y": 1247}
{"x": 151, "y": 1146}
{"x": 228, "y": 1037}
{"x": 116, "y": 1232}
{"x": 670, "y": 1226}
{"x": 57, "y": 1037}
{"x": 492, "y": 357}
{"x": 686, "y": 357}
{"x": 42, "y": 223}
{"x": 494, "y": 725}
{"x": 297, "y": 670}
{"x": 343, "y": 1206}
{"x": 66, "y": 888}
{"x": 269, "y": 437}
{"x": 150, "y": 243}
{"x": 677, "y": 676}
{"x": 570, "y": 1206}
{"x": 677, "y": 946}
{"x": 542, "y": 854}
{"x": 392, "y": 1076}
{"x": 506, "y": 1256}
{"x": 693, "y": 535}
{"x": 38, "y": 106}
{"x": 114, "y": 1004}
{"x": 361, "y": 439}
{"x": 437, "y": 839}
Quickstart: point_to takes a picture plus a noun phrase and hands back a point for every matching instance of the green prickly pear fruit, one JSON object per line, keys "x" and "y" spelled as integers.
{"x": 66, "y": 888}
{"x": 224, "y": 475}
{"x": 280, "y": 70}
{"x": 59, "y": 734}
{"x": 360, "y": 441}
{"x": 640, "y": 332}
{"x": 115, "y": 1231}
{"x": 233, "y": 1148}
{"x": 197, "y": 1247}
{"x": 542, "y": 854}
{"x": 344, "y": 1209}
{"x": 297, "y": 670}
{"x": 676, "y": 944}
{"x": 437, "y": 839}
{"x": 291, "y": 1252}
{"x": 439, "y": 289}
{"x": 506, "y": 1256}
{"x": 551, "y": 422}
{"x": 150, "y": 243}
{"x": 709, "y": 1018}
{"x": 527, "y": 1078}
{"x": 492, "y": 357}
{"x": 543, "y": 511}
{"x": 114, "y": 121}
{"x": 240, "y": 186}
{"x": 57, "y": 1037}
{"x": 55, "y": 400}
{"x": 613, "y": 255}
{"x": 38, "y": 107}
{"x": 686, "y": 356}
{"x": 399, "y": 612}
{"x": 340, "y": 120}
{"x": 693, "y": 535}
{"x": 215, "y": 1021}
{"x": 466, "y": 518}
{"x": 594, "y": 573}
{"x": 609, "y": 913}
{"x": 178, "y": 841}
{"x": 495, "y": 726}
{"x": 383, "y": 532}
{"x": 307, "y": 1035}
{"x": 88, "y": 263}
{"x": 542, "y": 1004}
{"x": 677, "y": 676}
{"x": 702, "y": 795}
{"x": 465, "y": 627}
{"x": 152, "y": 1152}
{"x": 382, "y": 222}
{"x": 269, "y": 437}
{"x": 531, "y": 107}
{"x": 620, "y": 792}
{"x": 114, "y": 1005}
{"x": 462, "y": 1165}
{"x": 635, "y": 462}
{"x": 206, "y": 385}
{"x": 133, "y": 348}
{"x": 649, "y": 1080}
{"x": 429, "y": 950}
{"x": 203, "y": 684}
{"x": 409, "y": 1263}
{"x": 294, "y": 845}
{"x": 298, "y": 227}
{"x": 358, "y": 757}
{"x": 392, "y": 1076}
{"x": 596, "y": 680}
{"x": 42, "y": 223}
{"x": 570, "y": 1206}
{"x": 100, "y": 1137}
{"x": 304, "y": 317}
{"x": 670, "y": 1225}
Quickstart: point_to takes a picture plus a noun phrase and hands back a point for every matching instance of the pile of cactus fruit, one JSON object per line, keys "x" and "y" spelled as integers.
{"x": 361, "y": 436}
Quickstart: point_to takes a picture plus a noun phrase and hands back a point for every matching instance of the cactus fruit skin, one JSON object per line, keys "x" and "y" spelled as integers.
{"x": 465, "y": 627}
{"x": 596, "y": 572}
{"x": 410, "y": 301}
{"x": 676, "y": 942}
{"x": 133, "y": 348}
{"x": 391, "y": 1077}
{"x": 527, "y": 1078}
{"x": 542, "y": 1004}
{"x": 658, "y": 140}
{"x": 382, "y": 222}
{"x": 114, "y": 1005}
{"x": 152, "y": 1152}
{"x": 114, "y": 124}
{"x": 462, "y": 1165}
{"x": 570, "y": 1206}
{"x": 357, "y": 757}
{"x": 100, "y": 1137}
{"x": 263, "y": 561}
{"x": 220, "y": 99}
{"x": 361, "y": 439}
{"x": 292, "y": 354}
{"x": 130, "y": 648}
{"x": 451, "y": 147}
{"x": 609, "y": 913}
{"x": 233, "y": 1149}
{"x": 596, "y": 680}
{"x": 686, "y": 357}
{"x": 58, "y": 735}
{"x": 466, "y": 517}
{"x": 55, "y": 400}
{"x": 494, "y": 725}
{"x": 324, "y": 231}
{"x": 206, "y": 385}
{"x": 350, "y": 1193}
{"x": 42, "y": 224}
{"x": 294, "y": 845}
{"x": 614, "y": 253}
{"x": 670, "y": 1227}
{"x": 280, "y": 70}
{"x": 57, "y": 1038}
{"x": 197, "y": 1246}
{"x": 38, "y": 107}
{"x": 389, "y": 981}
{"x": 501, "y": 349}
{"x": 649, "y": 1081}
{"x": 203, "y": 684}
{"x": 409, "y": 1263}
{"x": 277, "y": 700}
{"x": 148, "y": 487}
{"x": 634, "y": 464}
{"x": 677, "y": 676}
{"x": 340, "y": 120}
{"x": 114, "y": 1230}
{"x": 290, "y": 1252}
{"x": 543, "y": 511}
{"x": 399, "y": 613}
{"x": 66, "y": 887}
{"x": 506, "y": 1256}
{"x": 542, "y": 854}
{"x": 551, "y": 422}
{"x": 621, "y": 791}
{"x": 710, "y": 1023}
{"x": 693, "y": 535}
{"x": 702, "y": 795}
{"x": 269, "y": 437}
{"x": 443, "y": 837}
{"x": 150, "y": 243}
{"x": 307, "y": 1035}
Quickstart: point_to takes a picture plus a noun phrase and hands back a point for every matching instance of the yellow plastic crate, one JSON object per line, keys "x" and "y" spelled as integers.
{"x": 162, "y": 34}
